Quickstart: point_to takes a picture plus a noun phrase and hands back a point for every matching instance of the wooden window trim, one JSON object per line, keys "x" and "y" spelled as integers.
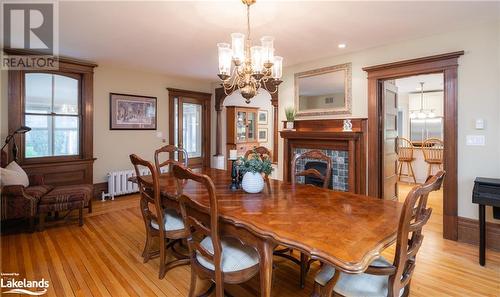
{"x": 67, "y": 67}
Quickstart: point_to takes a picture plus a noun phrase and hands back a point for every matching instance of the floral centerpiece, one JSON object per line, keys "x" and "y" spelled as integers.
{"x": 252, "y": 168}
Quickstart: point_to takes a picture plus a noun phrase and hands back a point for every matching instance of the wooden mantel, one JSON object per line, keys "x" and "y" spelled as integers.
{"x": 328, "y": 134}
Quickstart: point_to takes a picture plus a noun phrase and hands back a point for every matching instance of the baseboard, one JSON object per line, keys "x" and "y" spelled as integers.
{"x": 99, "y": 188}
{"x": 468, "y": 231}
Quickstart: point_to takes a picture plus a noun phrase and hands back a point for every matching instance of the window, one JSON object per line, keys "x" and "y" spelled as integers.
{"x": 52, "y": 111}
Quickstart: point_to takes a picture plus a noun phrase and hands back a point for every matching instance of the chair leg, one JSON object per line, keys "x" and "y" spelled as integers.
{"x": 146, "y": 254}
{"x": 80, "y": 216}
{"x": 41, "y": 224}
{"x": 412, "y": 172}
{"x": 400, "y": 170}
{"x": 90, "y": 205}
{"x": 163, "y": 256}
{"x": 192, "y": 286}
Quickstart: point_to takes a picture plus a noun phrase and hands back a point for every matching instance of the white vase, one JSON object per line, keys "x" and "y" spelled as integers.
{"x": 289, "y": 125}
{"x": 252, "y": 182}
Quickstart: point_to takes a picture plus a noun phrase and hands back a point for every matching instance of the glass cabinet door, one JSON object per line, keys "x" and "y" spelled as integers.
{"x": 251, "y": 126}
{"x": 241, "y": 126}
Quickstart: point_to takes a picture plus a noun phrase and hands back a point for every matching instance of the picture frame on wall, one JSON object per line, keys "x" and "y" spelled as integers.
{"x": 132, "y": 112}
{"x": 263, "y": 115}
{"x": 263, "y": 135}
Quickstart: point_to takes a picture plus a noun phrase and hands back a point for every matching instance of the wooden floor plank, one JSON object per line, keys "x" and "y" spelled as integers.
{"x": 103, "y": 258}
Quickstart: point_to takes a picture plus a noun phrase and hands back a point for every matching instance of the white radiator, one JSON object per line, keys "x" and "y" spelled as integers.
{"x": 118, "y": 183}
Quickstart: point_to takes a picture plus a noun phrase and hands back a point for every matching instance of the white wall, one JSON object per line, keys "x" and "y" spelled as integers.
{"x": 478, "y": 94}
{"x": 113, "y": 147}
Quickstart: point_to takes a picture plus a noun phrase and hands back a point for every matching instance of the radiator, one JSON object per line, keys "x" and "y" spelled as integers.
{"x": 118, "y": 183}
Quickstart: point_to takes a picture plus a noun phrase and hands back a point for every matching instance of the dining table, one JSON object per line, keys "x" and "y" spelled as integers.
{"x": 342, "y": 229}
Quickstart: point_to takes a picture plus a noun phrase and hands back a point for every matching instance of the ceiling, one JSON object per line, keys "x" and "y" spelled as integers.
{"x": 179, "y": 38}
{"x": 411, "y": 84}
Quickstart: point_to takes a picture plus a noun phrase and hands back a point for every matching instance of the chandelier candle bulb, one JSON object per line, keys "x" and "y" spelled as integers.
{"x": 257, "y": 58}
{"x": 277, "y": 67}
{"x": 268, "y": 48}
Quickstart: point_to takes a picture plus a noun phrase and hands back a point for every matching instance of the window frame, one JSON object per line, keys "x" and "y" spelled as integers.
{"x": 22, "y": 147}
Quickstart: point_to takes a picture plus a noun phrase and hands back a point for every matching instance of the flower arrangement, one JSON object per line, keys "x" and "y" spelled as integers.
{"x": 255, "y": 164}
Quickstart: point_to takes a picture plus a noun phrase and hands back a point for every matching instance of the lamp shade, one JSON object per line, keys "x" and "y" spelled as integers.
{"x": 277, "y": 67}
{"x": 23, "y": 129}
{"x": 238, "y": 47}
{"x": 225, "y": 55}
{"x": 257, "y": 58}
{"x": 268, "y": 48}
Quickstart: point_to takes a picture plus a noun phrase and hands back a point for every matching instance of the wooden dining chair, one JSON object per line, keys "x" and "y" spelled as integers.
{"x": 312, "y": 175}
{"x": 315, "y": 177}
{"x": 221, "y": 260}
{"x": 262, "y": 151}
{"x": 383, "y": 278}
{"x": 433, "y": 150}
{"x": 170, "y": 149}
{"x": 405, "y": 156}
{"x": 170, "y": 232}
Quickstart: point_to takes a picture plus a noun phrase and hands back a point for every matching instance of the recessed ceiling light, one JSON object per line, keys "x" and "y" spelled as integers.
{"x": 342, "y": 45}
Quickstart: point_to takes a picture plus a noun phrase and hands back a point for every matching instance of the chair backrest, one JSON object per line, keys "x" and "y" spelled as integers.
{"x": 197, "y": 230}
{"x": 433, "y": 149}
{"x": 170, "y": 149}
{"x": 149, "y": 190}
{"x": 314, "y": 155}
{"x": 405, "y": 149}
{"x": 414, "y": 216}
{"x": 262, "y": 151}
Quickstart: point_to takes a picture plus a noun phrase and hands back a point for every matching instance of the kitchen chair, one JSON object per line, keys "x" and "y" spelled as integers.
{"x": 221, "y": 260}
{"x": 383, "y": 278}
{"x": 262, "y": 151}
{"x": 170, "y": 149}
{"x": 433, "y": 150}
{"x": 166, "y": 224}
{"x": 405, "y": 156}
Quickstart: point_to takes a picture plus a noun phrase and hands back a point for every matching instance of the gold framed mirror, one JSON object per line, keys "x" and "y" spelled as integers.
{"x": 324, "y": 91}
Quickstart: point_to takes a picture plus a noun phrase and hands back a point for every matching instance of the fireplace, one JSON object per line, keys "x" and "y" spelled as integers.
{"x": 347, "y": 150}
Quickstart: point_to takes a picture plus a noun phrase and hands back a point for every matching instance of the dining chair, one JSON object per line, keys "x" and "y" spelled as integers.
{"x": 170, "y": 232}
{"x": 262, "y": 151}
{"x": 383, "y": 278}
{"x": 405, "y": 150}
{"x": 433, "y": 150}
{"x": 313, "y": 175}
{"x": 170, "y": 149}
{"x": 221, "y": 260}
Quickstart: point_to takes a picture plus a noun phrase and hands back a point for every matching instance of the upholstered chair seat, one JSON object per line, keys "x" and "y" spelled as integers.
{"x": 235, "y": 255}
{"x": 171, "y": 220}
{"x": 358, "y": 285}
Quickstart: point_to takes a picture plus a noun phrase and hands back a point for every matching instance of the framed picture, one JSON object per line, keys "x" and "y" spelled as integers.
{"x": 132, "y": 112}
{"x": 262, "y": 117}
{"x": 262, "y": 134}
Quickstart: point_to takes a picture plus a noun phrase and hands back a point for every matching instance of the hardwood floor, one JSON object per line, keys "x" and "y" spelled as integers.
{"x": 102, "y": 258}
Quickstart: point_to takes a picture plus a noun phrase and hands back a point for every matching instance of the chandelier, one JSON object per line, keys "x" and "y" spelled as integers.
{"x": 255, "y": 66}
{"x": 422, "y": 113}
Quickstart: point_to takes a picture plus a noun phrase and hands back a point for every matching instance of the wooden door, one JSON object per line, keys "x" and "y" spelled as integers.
{"x": 389, "y": 140}
{"x": 190, "y": 133}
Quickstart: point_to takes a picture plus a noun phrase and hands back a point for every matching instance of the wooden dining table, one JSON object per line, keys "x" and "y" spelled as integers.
{"x": 345, "y": 230}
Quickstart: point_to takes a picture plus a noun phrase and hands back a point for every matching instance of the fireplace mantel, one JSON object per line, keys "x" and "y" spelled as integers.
{"x": 328, "y": 135}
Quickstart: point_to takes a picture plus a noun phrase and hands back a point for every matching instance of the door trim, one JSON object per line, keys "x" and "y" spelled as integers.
{"x": 207, "y": 99}
{"x": 448, "y": 65}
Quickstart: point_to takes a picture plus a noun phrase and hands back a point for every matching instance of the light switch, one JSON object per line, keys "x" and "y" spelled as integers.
{"x": 479, "y": 124}
{"x": 476, "y": 140}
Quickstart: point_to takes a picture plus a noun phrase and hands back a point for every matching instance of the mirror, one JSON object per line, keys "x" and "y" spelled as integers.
{"x": 324, "y": 91}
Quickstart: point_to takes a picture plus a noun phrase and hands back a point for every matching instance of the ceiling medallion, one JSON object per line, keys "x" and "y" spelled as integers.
{"x": 254, "y": 67}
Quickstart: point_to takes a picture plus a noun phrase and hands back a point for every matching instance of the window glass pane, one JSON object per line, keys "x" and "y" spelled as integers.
{"x": 65, "y": 95}
{"x": 37, "y": 141}
{"x": 66, "y": 137}
{"x": 38, "y": 92}
{"x": 191, "y": 133}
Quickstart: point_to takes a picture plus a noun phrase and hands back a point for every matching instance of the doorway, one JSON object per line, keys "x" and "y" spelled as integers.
{"x": 189, "y": 126}
{"x": 447, "y": 65}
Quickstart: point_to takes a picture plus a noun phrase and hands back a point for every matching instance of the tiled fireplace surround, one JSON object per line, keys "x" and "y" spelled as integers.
{"x": 347, "y": 150}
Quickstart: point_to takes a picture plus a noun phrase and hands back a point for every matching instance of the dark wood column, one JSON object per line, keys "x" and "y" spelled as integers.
{"x": 274, "y": 102}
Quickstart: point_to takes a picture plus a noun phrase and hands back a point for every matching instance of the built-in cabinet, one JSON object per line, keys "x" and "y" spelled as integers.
{"x": 241, "y": 129}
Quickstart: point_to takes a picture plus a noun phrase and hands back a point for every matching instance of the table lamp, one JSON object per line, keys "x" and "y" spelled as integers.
{"x": 11, "y": 137}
